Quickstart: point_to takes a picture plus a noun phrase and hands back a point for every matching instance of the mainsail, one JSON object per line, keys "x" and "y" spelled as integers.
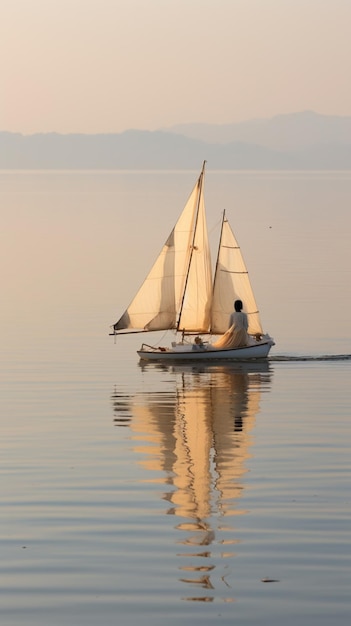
{"x": 178, "y": 292}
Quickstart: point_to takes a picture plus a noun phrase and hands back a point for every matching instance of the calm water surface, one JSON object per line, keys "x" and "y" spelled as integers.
{"x": 138, "y": 494}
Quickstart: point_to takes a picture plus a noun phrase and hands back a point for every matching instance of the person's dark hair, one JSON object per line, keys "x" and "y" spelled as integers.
{"x": 238, "y": 305}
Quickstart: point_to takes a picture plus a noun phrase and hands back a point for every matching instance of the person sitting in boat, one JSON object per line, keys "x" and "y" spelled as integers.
{"x": 198, "y": 344}
{"x": 239, "y": 320}
{"x": 236, "y": 336}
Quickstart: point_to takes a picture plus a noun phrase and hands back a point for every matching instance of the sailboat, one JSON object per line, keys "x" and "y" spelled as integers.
{"x": 179, "y": 294}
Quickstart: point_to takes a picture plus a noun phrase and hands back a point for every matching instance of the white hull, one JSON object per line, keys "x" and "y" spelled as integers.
{"x": 256, "y": 351}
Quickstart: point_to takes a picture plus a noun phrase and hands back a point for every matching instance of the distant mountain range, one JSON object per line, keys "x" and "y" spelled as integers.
{"x": 305, "y": 140}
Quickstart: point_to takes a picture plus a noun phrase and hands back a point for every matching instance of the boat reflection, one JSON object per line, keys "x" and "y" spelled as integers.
{"x": 197, "y": 434}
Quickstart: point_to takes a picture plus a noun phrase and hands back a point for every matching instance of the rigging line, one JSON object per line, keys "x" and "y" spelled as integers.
{"x": 215, "y": 226}
{"x": 162, "y": 338}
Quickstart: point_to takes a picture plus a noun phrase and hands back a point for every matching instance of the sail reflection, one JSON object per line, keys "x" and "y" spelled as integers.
{"x": 197, "y": 435}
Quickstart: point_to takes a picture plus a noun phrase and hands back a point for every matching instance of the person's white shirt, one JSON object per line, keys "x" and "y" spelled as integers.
{"x": 239, "y": 320}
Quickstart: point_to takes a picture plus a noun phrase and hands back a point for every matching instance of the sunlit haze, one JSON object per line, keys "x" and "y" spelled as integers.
{"x": 96, "y": 66}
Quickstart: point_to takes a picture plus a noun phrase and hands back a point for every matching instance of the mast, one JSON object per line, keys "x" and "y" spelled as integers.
{"x": 200, "y": 185}
{"x": 217, "y": 261}
{"x": 218, "y": 250}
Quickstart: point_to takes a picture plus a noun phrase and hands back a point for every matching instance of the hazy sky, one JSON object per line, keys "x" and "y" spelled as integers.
{"x": 108, "y": 65}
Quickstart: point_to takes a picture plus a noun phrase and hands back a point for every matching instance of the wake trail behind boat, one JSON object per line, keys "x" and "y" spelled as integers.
{"x": 323, "y": 357}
